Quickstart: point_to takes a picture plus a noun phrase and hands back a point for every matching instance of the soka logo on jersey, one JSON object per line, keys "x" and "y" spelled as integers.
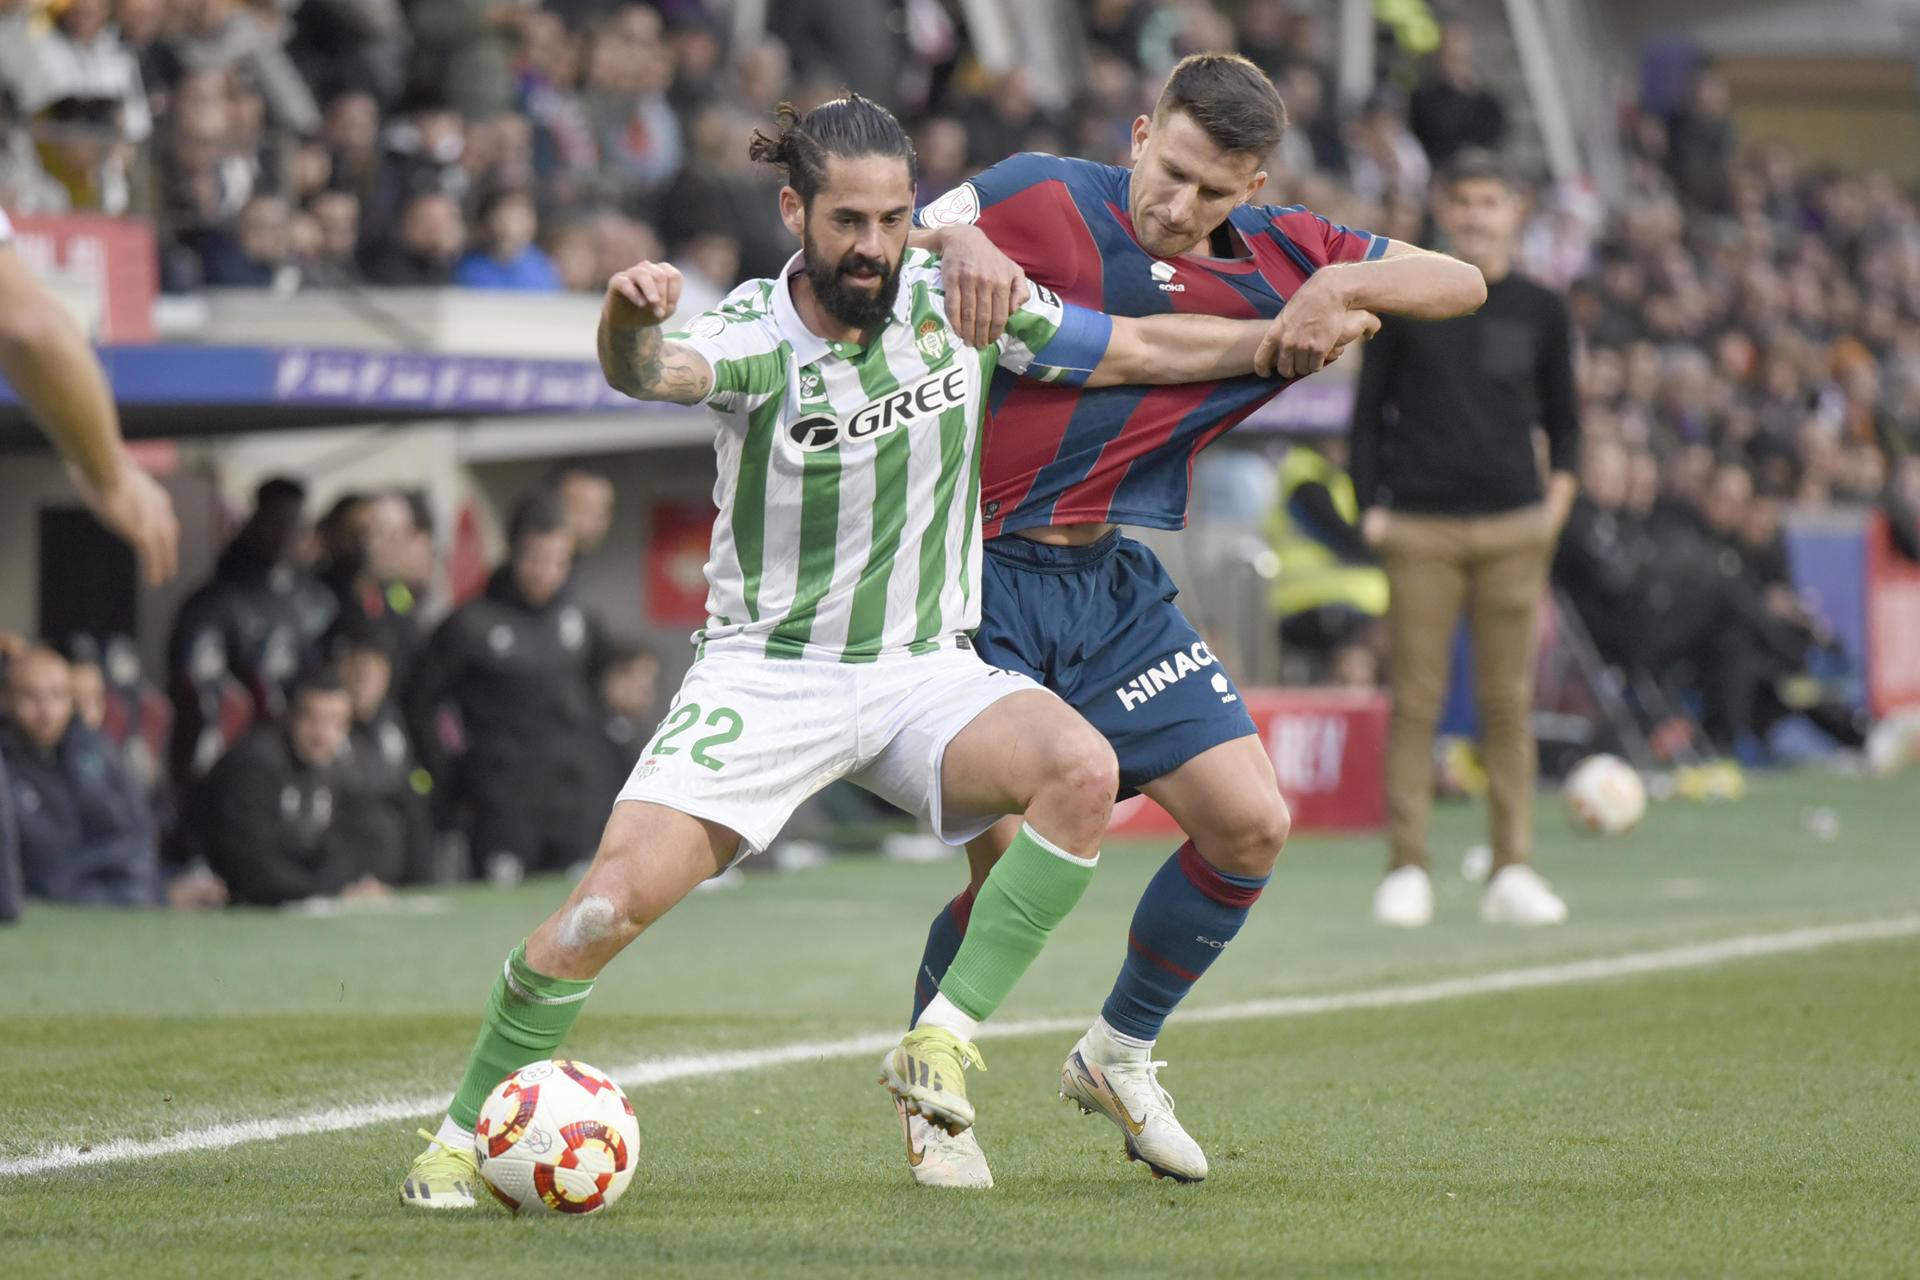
{"x": 1170, "y": 671}
{"x": 930, "y": 397}
{"x": 1162, "y": 273}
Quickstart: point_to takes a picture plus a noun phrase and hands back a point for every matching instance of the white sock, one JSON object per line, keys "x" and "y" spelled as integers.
{"x": 453, "y": 1135}
{"x": 1124, "y": 1048}
{"x": 942, "y": 1012}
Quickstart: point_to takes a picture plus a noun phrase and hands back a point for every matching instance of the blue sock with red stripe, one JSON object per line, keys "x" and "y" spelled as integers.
{"x": 1185, "y": 919}
{"x": 943, "y": 944}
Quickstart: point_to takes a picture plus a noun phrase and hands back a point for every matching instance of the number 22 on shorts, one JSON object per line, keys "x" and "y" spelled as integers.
{"x": 724, "y": 720}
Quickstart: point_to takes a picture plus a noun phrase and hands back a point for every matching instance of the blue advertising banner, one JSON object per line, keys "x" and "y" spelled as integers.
{"x": 1827, "y": 556}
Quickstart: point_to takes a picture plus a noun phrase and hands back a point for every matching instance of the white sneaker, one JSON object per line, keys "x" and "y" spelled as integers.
{"x": 1404, "y": 899}
{"x": 1517, "y": 895}
{"x": 936, "y": 1158}
{"x": 1127, "y": 1091}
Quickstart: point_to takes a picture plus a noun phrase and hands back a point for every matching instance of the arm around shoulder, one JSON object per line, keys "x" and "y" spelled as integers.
{"x": 1156, "y": 350}
{"x": 1409, "y": 281}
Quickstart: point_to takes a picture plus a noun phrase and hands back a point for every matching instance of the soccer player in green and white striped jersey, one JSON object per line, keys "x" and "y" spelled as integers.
{"x": 843, "y": 581}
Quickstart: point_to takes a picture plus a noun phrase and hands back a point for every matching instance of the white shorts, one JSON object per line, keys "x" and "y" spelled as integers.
{"x": 749, "y": 738}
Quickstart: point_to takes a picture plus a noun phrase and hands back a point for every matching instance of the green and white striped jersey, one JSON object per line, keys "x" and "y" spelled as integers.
{"x": 849, "y": 477}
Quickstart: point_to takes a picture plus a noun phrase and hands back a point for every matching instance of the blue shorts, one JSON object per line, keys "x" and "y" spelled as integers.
{"x": 1098, "y": 626}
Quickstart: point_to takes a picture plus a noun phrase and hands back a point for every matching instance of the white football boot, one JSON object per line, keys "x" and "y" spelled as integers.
{"x": 936, "y": 1158}
{"x": 1404, "y": 899}
{"x": 1122, "y": 1083}
{"x": 1517, "y": 895}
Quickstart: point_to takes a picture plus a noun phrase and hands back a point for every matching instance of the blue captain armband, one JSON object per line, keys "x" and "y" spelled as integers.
{"x": 1077, "y": 346}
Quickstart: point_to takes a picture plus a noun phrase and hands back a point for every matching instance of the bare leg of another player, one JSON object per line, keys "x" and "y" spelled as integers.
{"x": 1228, "y": 801}
{"x": 649, "y": 858}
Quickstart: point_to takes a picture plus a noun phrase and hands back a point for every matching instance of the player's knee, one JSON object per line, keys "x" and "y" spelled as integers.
{"x": 1252, "y": 843}
{"x": 591, "y": 923}
{"x": 1080, "y": 769}
{"x": 1270, "y": 830}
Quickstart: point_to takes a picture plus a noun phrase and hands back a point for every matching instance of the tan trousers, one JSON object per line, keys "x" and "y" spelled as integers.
{"x": 1495, "y": 567}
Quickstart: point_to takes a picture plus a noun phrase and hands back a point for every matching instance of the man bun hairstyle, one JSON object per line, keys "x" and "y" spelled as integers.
{"x": 1231, "y": 100}
{"x": 849, "y": 127}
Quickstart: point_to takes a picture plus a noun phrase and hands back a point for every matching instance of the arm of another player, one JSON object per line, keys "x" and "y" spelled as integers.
{"x": 1019, "y": 204}
{"x": 1055, "y": 342}
{"x": 983, "y": 285}
{"x": 1405, "y": 280}
{"x": 637, "y": 359}
{"x": 46, "y": 360}
{"x": 1196, "y": 348}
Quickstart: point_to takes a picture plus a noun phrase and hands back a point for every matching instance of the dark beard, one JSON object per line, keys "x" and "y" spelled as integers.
{"x": 852, "y": 307}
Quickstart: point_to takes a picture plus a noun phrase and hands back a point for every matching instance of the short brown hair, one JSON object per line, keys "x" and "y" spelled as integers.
{"x": 1230, "y": 99}
{"x": 1474, "y": 164}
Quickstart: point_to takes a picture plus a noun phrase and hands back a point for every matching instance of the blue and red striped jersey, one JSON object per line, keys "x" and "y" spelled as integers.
{"x": 1123, "y": 455}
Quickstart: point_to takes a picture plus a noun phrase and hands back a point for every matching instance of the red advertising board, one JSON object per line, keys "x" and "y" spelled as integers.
{"x": 1893, "y": 624}
{"x": 1328, "y": 748}
{"x": 678, "y": 536}
{"x": 106, "y": 268}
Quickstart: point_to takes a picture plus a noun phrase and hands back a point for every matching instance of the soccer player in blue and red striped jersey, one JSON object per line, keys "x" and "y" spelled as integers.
{"x": 1089, "y": 613}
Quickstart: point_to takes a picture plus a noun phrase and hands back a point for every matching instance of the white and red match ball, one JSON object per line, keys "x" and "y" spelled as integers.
{"x": 557, "y": 1137}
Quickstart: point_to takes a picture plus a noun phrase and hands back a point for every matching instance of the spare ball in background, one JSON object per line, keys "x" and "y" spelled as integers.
{"x": 1604, "y": 795}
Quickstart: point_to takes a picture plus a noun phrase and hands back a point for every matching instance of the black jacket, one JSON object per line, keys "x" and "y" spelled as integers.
{"x": 248, "y": 631}
{"x": 1602, "y": 564}
{"x": 381, "y": 793}
{"x": 278, "y": 830}
{"x": 1444, "y": 415}
{"x": 1445, "y": 118}
{"x": 85, "y": 833}
{"x": 517, "y": 674}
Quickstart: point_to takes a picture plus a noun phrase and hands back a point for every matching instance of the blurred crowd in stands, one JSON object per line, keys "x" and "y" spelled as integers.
{"x": 1747, "y": 339}
{"x": 315, "y": 739}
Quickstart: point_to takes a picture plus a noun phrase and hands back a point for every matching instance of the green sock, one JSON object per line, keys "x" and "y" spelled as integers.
{"x": 528, "y": 1015}
{"x": 1028, "y": 892}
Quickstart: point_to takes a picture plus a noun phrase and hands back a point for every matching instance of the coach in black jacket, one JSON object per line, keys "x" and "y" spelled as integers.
{"x": 272, "y": 819}
{"x": 513, "y": 664}
{"x": 1446, "y": 475}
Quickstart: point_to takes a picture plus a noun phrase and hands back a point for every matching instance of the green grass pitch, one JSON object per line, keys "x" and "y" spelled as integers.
{"x": 1755, "y": 1117}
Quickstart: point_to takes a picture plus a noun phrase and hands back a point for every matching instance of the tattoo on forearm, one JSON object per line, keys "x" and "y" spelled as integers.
{"x": 641, "y": 363}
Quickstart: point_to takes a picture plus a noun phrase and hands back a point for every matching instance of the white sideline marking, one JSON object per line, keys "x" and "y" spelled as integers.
{"x": 661, "y": 1070}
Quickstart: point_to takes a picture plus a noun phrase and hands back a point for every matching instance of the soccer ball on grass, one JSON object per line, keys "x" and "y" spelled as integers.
{"x": 1605, "y": 796}
{"x": 557, "y": 1137}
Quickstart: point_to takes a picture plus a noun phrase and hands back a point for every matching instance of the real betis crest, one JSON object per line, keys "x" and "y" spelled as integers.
{"x": 932, "y": 341}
